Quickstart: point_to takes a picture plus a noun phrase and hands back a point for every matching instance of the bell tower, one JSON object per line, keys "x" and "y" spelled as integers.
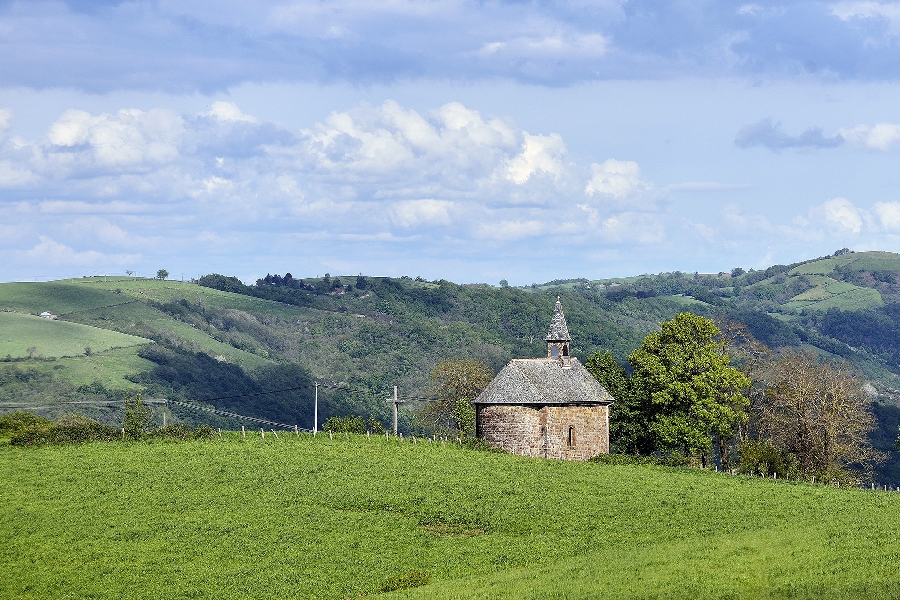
{"x": 558, "y": 338}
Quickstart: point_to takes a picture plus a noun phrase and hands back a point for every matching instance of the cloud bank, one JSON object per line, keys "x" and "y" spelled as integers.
{"x": 205, "y": 45}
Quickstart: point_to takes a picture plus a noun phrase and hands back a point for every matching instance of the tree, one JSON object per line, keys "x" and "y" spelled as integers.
{"x": 816, "y": 409}
{"x": 684, "y": 387}
{"x": 162, "y": 274}
{"x": 628, "y": 433}
{"x": 464, "y": 416}
{"x": 504, "y": 283}
{"x": 453, "y": 381}
{"x": 137, "y": 417}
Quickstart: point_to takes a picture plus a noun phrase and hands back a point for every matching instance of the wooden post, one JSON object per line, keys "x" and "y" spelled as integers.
{"x": 243, "y": 433}
{"x": 297, "y": 431}
{"x": 220, "y": 432}
{"x": 275, "y": 433}
{"x": 262, "y": 432}
{"x": 330, "y": 437}
{"x": 367, "y": 435}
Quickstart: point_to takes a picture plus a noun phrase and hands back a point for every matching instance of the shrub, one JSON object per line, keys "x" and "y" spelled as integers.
{"x": 12, "y": 423}
{"x": 762, "y": 458}
{"x": 181, "y": 432}
{"x": 375, "y": 426}
{"x": 348, "y": 424}
{"x": 71, "y": 429}
{"x": 137, "y": 418}
{"x": 404, "y": 581}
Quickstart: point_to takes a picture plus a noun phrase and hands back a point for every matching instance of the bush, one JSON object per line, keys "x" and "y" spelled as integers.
{"x": 374, "y": 425}
{"x": 181, "y": 432}
{"x": 71, "y": 429}
{"x": 348, "y": 424}
{"x": 16, "y": 421}
{"x": 404, "y": 581}
{"x": 762, "y": 458}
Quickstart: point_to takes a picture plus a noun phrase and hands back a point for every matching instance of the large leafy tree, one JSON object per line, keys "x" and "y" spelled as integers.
{"x": 684, "y": 388}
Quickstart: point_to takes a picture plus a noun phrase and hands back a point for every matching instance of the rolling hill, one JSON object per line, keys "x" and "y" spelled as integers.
{"x": 359, "y": 336}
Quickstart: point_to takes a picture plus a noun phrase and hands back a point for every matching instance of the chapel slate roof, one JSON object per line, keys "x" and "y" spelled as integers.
{"x": 544, "y": 381}
{"x": 559, "y": 331}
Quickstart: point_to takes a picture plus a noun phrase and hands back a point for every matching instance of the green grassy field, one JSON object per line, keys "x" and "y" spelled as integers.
{"x": 303, "y": 517}
{"x": 18, "y": 332}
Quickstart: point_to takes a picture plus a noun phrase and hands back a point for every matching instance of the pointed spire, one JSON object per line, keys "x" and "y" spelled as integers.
{"x": 559, "y": 331}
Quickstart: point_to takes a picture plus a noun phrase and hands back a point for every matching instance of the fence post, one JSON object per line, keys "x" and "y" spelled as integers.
{"x": 262, "y": 432}
{"x": 297, "y": 431}
{"x": 243, "y": 433}
{"x": 275, "y": 433}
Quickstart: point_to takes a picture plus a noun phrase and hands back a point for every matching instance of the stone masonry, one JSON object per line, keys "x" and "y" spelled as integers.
{"x": 566, "y": 432}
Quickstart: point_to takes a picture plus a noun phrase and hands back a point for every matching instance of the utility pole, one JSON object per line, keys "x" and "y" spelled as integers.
{"x": 396, "y": 401}
{"x": 316, "y": 411}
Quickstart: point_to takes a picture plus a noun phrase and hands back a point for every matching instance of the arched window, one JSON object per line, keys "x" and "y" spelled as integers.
{"x": 571, "y": 437}
{"x": 566, "y": 350}
{"x": 554, "y": 351}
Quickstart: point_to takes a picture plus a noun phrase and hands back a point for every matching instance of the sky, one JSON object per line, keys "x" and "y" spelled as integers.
{"x": 468, "y": 141}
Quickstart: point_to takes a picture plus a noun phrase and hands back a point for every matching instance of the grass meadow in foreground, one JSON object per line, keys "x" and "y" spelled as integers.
{"x": 303, "y": 517}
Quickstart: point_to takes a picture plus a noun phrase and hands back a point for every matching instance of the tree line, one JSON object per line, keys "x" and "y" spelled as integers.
{"x": 700, "y": 392}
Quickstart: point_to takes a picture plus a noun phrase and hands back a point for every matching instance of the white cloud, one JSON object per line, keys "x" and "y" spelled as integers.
{"x": 869, "y": 10}
{"x": 888, "y": 215}
{"x": 5, "y": 120}
{"x": 540, "y": 153}
{"x": 12, "y": 176}
{"x": 422, "y": 212}
{"x": 229, "y": 111}
{"x": 131, "y": 137}
{"x": 616, "y": 178}
{"x": 881, "y": 137}
{"x": 49, "y": 252}
{"x": 843, "y": 213}
{"x": 510, "y": 230}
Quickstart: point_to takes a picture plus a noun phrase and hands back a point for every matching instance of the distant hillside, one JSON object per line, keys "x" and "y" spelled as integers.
{"x": 360, "y": 336}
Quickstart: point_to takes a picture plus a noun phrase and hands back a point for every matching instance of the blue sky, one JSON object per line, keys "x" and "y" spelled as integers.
{"x": 472, "y": 141}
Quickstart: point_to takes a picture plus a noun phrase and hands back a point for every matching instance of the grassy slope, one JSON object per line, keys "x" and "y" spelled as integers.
{"x": 335, "y": 518}
{"x": 56, "y": 338}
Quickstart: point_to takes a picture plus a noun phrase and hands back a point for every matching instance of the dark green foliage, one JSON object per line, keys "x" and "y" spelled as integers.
{"x": 628, "y": 431}
{"x": 686, "y": 393}
{"x": 404, "y": 581}
{"x": 877, "y": 330}
{"x": 196, "y": 376}
{"x": 73, "y": 429}
{"x": 773, "y": 332}
{"x": 16, "y": 421}
{"x": 137, "y": 418}
{"x": 374, "y": 426}
{"x": 762, "y": 458}
{"x": 223, "y": 283}
{"x": 181, "y": 432}
{"x": 348, "y": 424}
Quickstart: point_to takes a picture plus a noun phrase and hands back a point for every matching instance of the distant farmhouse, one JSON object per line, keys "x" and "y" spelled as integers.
{"x": 547, "y": 407}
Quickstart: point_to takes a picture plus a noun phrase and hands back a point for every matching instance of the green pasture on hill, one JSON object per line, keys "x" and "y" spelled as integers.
{"x": 60, "y": 297}
{"x": 19, "y": 332}
{"x": 301, "y": 517}
{"x": 108, "y": 368}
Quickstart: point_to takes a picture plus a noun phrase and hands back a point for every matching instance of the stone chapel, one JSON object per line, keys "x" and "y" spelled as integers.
{"x": 547, "y": 407}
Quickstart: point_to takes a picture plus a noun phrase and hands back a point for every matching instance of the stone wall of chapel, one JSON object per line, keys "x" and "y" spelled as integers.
{"x": 544, "y": 431}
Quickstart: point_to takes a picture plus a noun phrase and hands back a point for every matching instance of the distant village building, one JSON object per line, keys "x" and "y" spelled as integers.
{"x": 48, "y": 315}
{"x": 547, "y": 407}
